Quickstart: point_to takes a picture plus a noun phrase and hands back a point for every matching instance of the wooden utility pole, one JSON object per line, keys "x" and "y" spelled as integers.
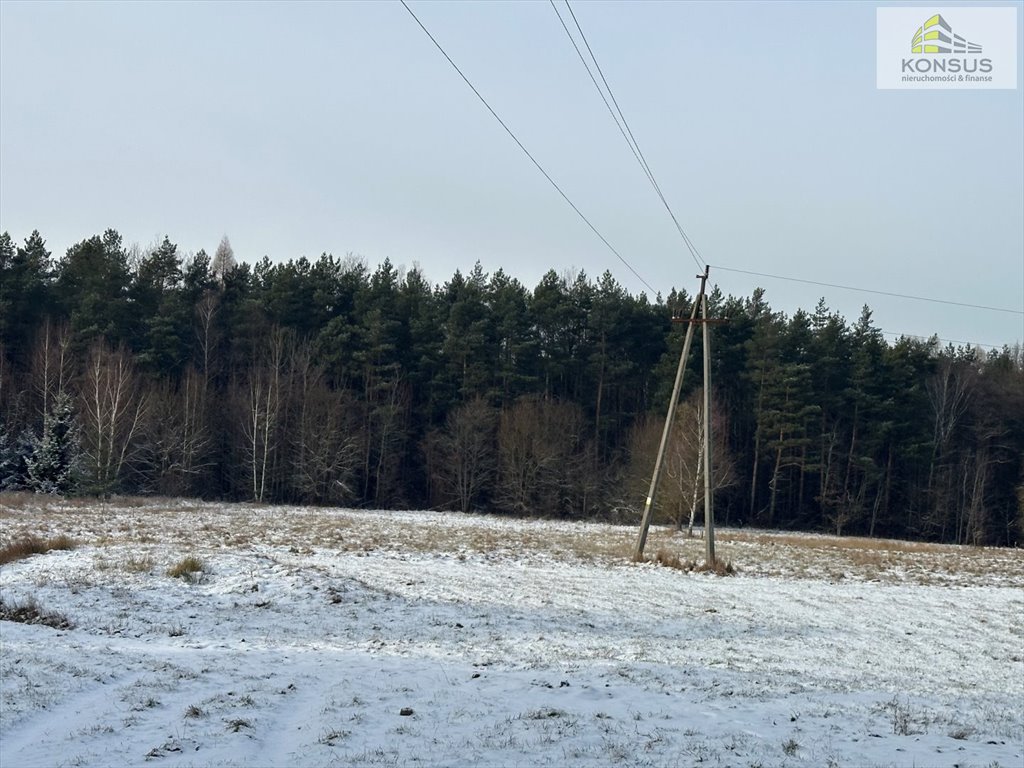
{"x": 645, "y": 523}
{"x": 709, "y": 512}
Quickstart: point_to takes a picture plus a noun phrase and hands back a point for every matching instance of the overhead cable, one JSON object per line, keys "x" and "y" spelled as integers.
{"x": 914, "y": 336}
{"x": 871, "y": 290}
{"x": 624, "y": 128}
{"x": 526, "y": 151}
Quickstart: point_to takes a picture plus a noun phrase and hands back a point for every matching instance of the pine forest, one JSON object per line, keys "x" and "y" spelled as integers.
{"x": 334, "y": 382}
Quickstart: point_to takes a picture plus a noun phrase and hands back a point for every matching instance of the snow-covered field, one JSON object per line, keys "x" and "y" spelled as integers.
{"x": 339, "y": 637}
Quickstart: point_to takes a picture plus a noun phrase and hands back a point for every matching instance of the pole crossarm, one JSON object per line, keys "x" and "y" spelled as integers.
{"x": 701, "y": 320}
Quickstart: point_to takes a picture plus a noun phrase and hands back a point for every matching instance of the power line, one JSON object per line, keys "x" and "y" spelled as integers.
{"x": 586, "y": 65}
{"x": 526, "y": 151}
{"x": 638, "y": 154}
{"x": 870, "y": 290}
{"x": 900, "y": 335}
{"x": 631, "y": 141}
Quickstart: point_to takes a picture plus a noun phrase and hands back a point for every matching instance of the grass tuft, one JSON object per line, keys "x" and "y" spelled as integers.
{"x": 667, "y": 559}
{"x": 189, "y": 569}
{"x": 961, "y": 732}
{"x": 34, "y": 545}
{"x": 30, "y": 612}
{"x": 671, "y": 560}
{"x": 334, "y": 734}
{"x": 143, "y": 564}
{"x": 718, "y": 567}
{"x": 62, "y": 542}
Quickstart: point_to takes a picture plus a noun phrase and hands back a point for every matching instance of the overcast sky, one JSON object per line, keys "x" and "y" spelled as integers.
{"x": 297, "y": 129}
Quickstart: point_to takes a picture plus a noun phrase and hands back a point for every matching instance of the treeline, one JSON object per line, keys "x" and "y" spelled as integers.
{"x": 328, "y": 382}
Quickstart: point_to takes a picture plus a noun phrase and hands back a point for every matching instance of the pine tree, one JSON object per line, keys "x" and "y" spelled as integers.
{"x": 468, "y": 359}
{"x": 161, "y": 317}
{"x": 92, "y": 282}
{"x": 24, "y": 290}
{"x": 52, "y": 466}
{"x": 513, "y": 338}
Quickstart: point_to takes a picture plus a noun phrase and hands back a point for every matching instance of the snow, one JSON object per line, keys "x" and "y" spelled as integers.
{"x": 513, "y": 643}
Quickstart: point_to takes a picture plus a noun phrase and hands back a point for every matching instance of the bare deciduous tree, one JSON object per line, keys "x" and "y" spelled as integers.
{"x": 684, "y": 460}
{"x": 223, "y": 259}
{"x": 112, "y": 407}
{"x": 538, "y": 443}
{"x": 177, "y": 438}
{"x": 387, "y": 414}
{"x": 462, "y": 458}
{"x": 950, "y": 390}
{"x": 324, "y": 439}
{"x": 206, "y": 331}
{"x": 52, "y": 367}
{"x": 262, "y": 409}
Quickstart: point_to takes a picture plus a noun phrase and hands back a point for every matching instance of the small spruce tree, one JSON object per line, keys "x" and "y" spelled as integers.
{"x": 14, "y": 455}
{"x": 53, "y": 462}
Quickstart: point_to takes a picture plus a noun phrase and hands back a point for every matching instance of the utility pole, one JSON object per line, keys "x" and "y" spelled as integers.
{"x": 709, "y": 512}
{"x": 645, "y": 523}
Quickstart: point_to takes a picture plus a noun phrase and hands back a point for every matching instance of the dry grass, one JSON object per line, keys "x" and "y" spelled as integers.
{"x": 130, "y": 564}
{"x": 846, "y": 543}
{"x": 29, "y": 612}
{"x": 30, "y": 545}
{"x": 11, "y": 501}
{"x": 189, "y": 569}
{"x": 719, "y": 567}
{"x": 143, "y": 564}
{"x": 672, "y": 560}
{"x": 192, "y": 526}
{"x": 820, "y": 556}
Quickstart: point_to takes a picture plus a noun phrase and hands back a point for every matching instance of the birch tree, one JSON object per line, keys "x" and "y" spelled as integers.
{"x": 52, "y": 364}
{"x": 950, "y": 391}
{"x": 205, "y": 328}
{"x": 112, "y": 407}
{"x": 684, "y": 462}
{"x": 262, "y": 410}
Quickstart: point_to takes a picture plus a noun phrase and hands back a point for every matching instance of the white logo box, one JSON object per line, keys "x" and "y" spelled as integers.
{"x": 957, "y": 48}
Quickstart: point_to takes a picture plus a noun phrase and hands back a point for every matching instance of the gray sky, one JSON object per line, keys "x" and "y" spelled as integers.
{"x": 301, "y": 128}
